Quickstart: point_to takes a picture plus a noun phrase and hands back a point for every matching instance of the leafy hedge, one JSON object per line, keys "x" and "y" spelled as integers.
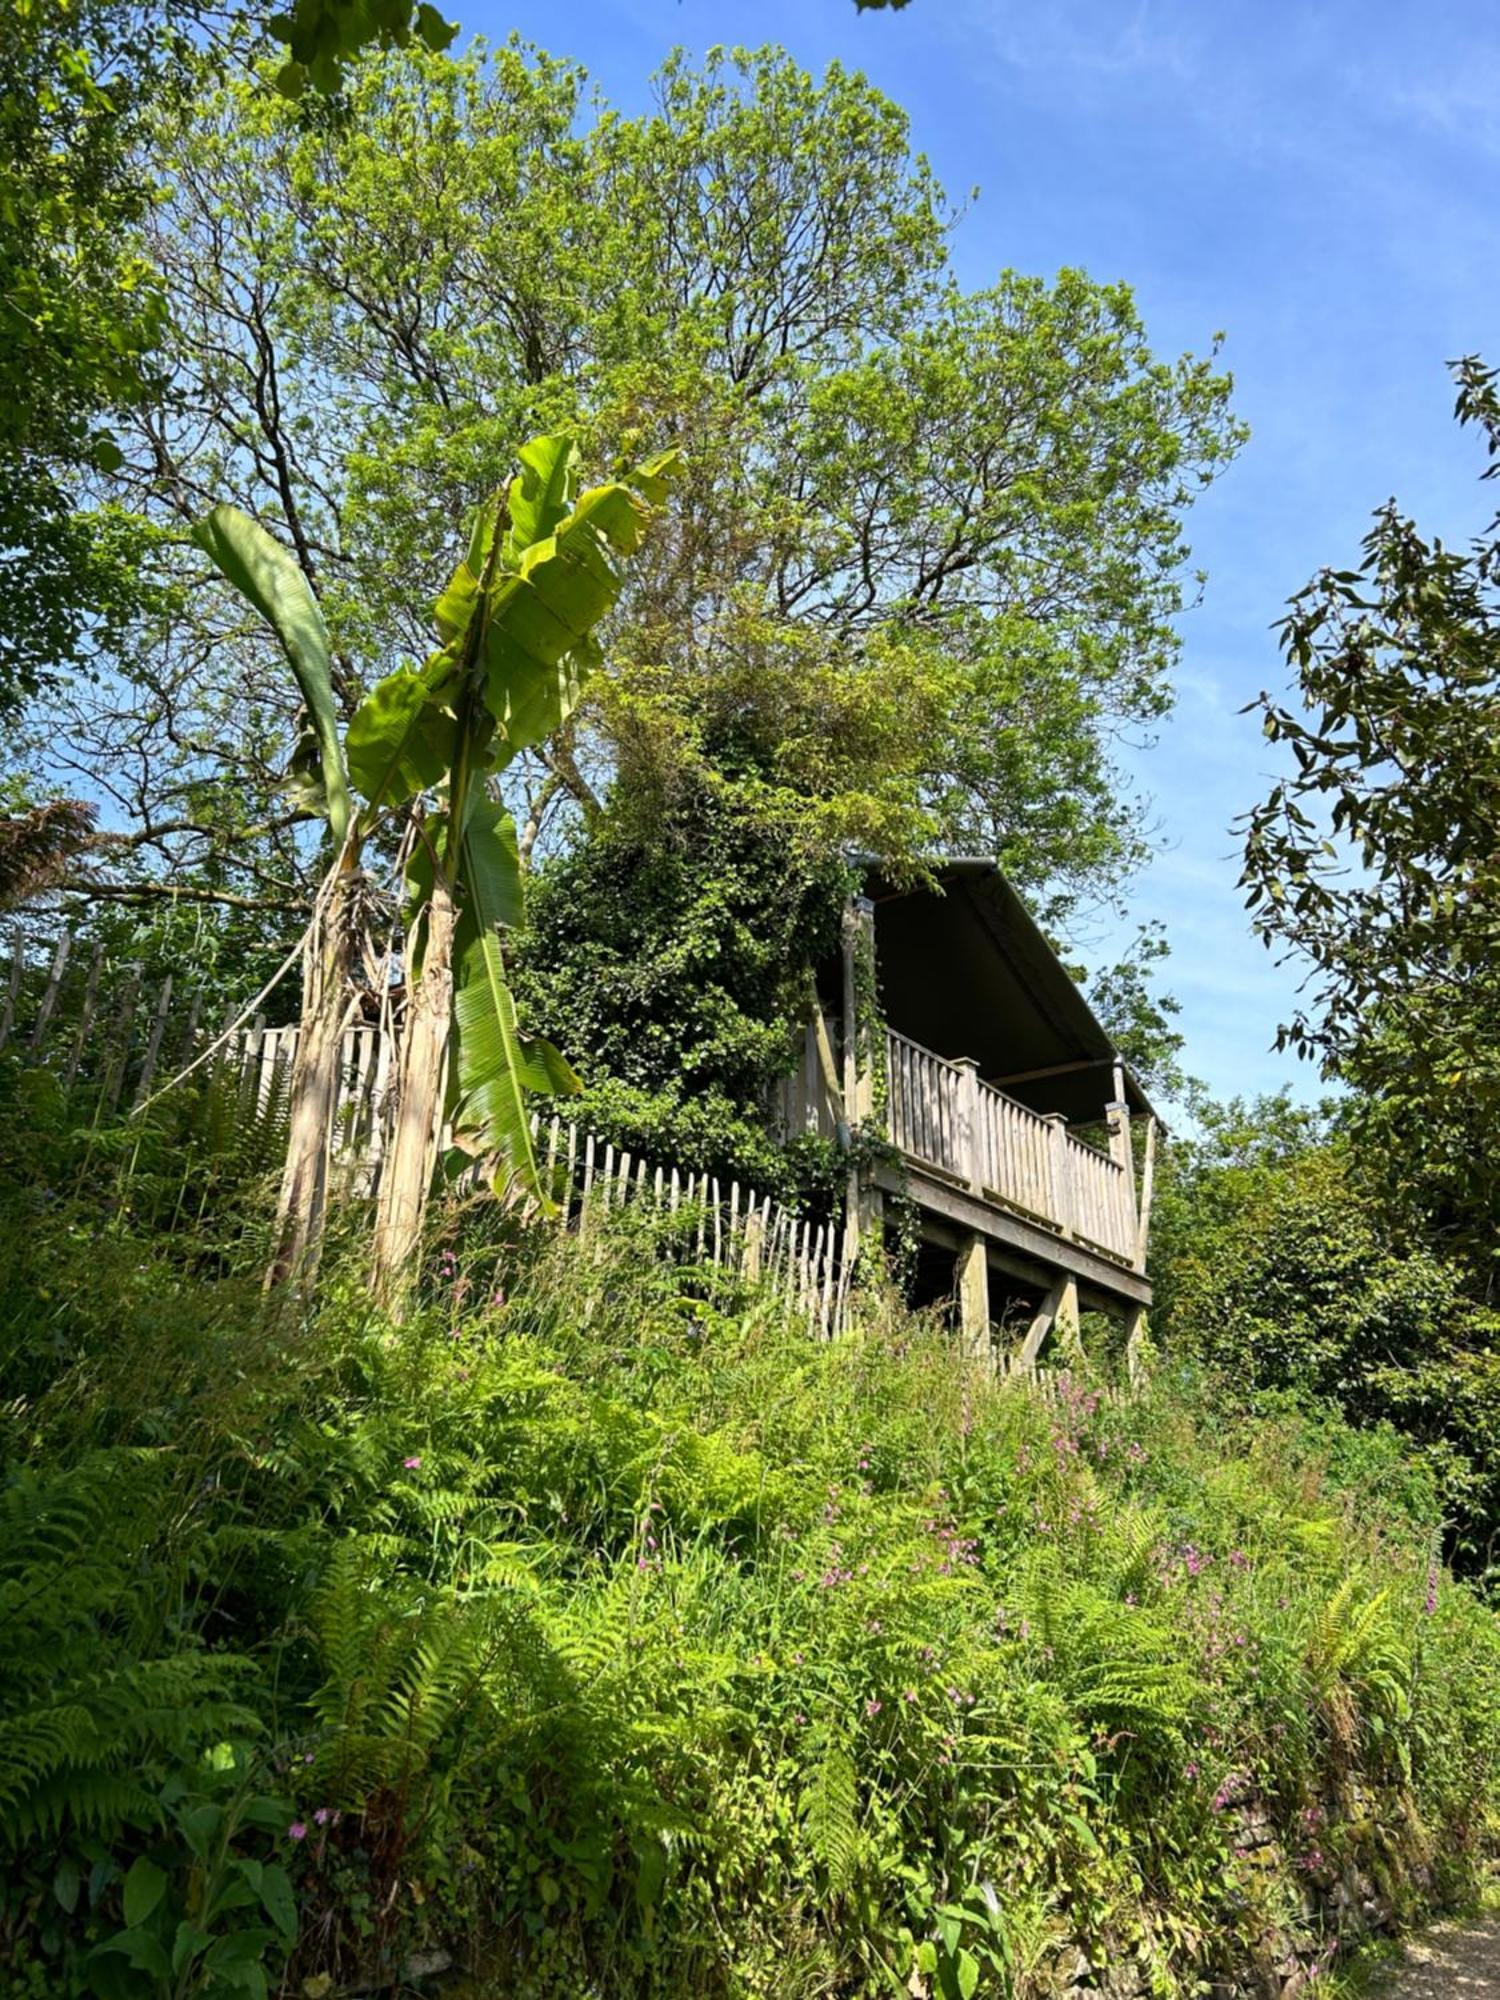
{"x": 1284, "y": 1271}
{"x": 599, "y": 1633}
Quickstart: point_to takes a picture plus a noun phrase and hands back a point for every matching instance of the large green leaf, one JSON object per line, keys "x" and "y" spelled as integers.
{"x": 498, "y": 1068}
{"x": 541, "y": 493}
{"x": 262, "y": 571}
{"x": 401, "y": 739}
{"x": 538, "y": 641}
{"x": 490, "y": 869}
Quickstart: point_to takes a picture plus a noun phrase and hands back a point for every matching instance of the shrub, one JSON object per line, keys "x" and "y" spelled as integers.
{"x": 1282, "y": 1272}
{"x": 602, "y": 1633}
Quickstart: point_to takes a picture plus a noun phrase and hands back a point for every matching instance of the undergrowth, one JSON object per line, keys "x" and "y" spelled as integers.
{"x": 598, "y": 1633}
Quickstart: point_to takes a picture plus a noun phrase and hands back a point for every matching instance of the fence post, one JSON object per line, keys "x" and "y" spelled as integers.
{"x": 12, "y": 986}
{"x": 1062, "y": 1191}
{"x": 54, "y": 984}
{"x": 119, "y": 1061}
{"x": 970, "y": 1131}
{"x": 755, "y": 1235}
{"x": 85, "y": 1017}
{"x": 153, "y": 1044}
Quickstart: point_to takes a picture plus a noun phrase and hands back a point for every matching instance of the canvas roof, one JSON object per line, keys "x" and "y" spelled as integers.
{"x": 966, "y": 971}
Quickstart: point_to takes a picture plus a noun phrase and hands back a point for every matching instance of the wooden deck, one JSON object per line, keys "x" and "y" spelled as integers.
{"x": 980, "y": 1160}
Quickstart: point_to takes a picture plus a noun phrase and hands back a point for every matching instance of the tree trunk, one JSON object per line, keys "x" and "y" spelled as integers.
{"x": 327, "y": 962}
{"x": 411, "y": 1159}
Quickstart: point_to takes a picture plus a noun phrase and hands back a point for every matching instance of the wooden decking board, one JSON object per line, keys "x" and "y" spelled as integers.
{"x": 1043, "y": 1248}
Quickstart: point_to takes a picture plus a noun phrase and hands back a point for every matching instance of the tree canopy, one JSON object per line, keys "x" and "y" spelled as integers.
{"x": 931, "y": 547}
{"x": 1375, "y": 860}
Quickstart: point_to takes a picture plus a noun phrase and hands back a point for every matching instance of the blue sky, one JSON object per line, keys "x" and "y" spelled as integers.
{"x": 1319, "y": 182}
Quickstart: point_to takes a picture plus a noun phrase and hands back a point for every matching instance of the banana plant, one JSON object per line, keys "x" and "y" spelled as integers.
{"x": 262, "y": 571}
{"x": 516, "y": 625}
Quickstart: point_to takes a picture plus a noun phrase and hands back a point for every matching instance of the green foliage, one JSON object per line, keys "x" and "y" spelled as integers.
{"x": 322, "y": 35}
{"x": 80, "y": 315}
{"x": 757, "y": 270}
{"x": 1278, "y": 1265}
{"x": 1375, "y": 859}
{"x": 605, "y": 1629}
{"x": 262, "y": 572}
{"x": 671, "y": 952}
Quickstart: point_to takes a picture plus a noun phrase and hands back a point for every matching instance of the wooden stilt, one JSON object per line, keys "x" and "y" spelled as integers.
{"x": 1067, "y": 1326}
{"x": 1137, "y": 1340}
{"x": 1024, "y": 1360}
{"x": 973, "y": 1275}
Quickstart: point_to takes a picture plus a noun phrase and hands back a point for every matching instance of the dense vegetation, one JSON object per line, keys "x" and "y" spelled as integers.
{"x": 1280, "y": 1266}
{"x": 517, "y": 1609}
{"x": 599, "y": 1631}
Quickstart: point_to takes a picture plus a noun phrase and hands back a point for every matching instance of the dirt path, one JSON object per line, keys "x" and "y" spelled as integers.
{"x": 1450, "y": 1962}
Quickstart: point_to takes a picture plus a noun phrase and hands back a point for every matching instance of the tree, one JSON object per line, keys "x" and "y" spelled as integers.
{"x": 931, "y": 542}
{"x": 1275, "y": 1261}
{"x": 674, "y": 965}
{"x": 1376, "y": 861}
{"x": 81, "y": 312}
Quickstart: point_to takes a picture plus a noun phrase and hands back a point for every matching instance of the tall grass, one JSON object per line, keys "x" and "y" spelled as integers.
{"x": 600, "y": 1633}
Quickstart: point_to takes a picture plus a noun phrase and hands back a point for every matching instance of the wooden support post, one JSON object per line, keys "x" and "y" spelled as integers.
{"x": 1061, "y": 1188}
{"x": 863, "y": 1205}
{"x": 1117, "y": 1120}
{"x": 858, "y": 935}
{"x": 1143, "y": 1208}
{"x": 974, "y": 1298}
{"x": 1120, "y": 1216}
{"x": 1137, "y": 1342}
{"x": 1024, "y": 1360}
{"x": 1066, "y": 1323}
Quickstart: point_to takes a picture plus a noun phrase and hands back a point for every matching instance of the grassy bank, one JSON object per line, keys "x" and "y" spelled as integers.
{"x": 597, "y": 1634}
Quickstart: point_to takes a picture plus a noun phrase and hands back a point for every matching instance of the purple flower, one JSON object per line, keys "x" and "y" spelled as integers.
{"x": 413, "y": 1462}
{"x": 872, "y": 1707}
{"x": 297, "y": 1830}
{"x": 322, "y": 1816}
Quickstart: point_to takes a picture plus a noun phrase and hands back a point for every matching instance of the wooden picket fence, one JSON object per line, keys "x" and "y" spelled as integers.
{"x": 92, "y": 1023}
{"x": 102, "y": 1032}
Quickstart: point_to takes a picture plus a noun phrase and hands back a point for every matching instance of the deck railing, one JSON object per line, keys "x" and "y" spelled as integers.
{"x": 943, "y": 1115}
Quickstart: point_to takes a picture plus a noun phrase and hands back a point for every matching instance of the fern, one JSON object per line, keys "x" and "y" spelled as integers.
{"x": 400, "y": 1663}
{"x": 1118, "y": 1672}
{"x": 830, "y": 1814}
{"x": 94, "y": 1699}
